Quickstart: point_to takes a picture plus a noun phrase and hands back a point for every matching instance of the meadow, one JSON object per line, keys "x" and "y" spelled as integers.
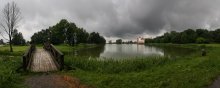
{"x": 191, "y": 71}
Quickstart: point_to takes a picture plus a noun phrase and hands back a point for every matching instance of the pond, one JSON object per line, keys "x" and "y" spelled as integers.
{"x": 132, "y": 50}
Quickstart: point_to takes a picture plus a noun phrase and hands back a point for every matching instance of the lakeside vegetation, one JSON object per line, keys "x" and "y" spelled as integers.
{"x": 182, "y": 72}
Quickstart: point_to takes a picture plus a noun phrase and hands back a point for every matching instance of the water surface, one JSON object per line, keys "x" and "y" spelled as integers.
{"x": 132, "y": 50}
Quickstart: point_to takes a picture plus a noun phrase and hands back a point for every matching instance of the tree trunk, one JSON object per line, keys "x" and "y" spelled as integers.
{"x": 11, "y": 49}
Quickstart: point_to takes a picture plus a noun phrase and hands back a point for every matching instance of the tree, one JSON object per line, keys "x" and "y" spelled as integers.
{"x": 66, "y": 32}
{"x": 175, "y": 37}
{"x": 166, "y": 38}
{"x": 18, "y": 38}
{"x": 204, "y": 34}
{"x": 59, "y": 32}
{"x": 119, "y": 41}
{"x": 95, "y": 38}
{"x": 41, "y": 37}
{"x": 201, "y": 40}
{"x": 215, "y": 35}
{"x": 190, "y": 36}
{"x": 11, "y": 17}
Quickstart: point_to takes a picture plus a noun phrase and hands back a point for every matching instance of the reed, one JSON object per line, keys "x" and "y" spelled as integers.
{"x": 105, "y": 65}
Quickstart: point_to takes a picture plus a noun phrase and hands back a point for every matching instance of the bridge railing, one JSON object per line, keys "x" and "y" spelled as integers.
{"x": 57, "y": 55}
{"x": 27, "y": 56}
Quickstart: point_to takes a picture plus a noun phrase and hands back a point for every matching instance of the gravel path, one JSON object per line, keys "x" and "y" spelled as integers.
{"x": 54, "y": 81}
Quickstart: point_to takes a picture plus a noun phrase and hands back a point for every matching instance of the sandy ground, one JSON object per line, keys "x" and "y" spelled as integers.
{"x": 54, "y": 81}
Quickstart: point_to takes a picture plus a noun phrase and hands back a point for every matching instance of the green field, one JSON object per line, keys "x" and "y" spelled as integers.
{"x": 192, "y": 71}
{"x": 9, "y": 63}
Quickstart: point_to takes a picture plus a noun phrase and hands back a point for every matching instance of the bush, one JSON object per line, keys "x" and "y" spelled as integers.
{"x": 201, "y": 40}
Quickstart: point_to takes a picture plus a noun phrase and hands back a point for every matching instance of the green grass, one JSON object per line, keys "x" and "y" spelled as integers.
{"x": 9, "y": 64}
{"x": 18, "y": 50}
{"x": 9, "y": 77}
{"x": 193, "y": 71}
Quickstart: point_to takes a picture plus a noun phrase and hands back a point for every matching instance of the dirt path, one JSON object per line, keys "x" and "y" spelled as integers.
{"x": 215, "y": 84}
{"x": 54, "y": 81}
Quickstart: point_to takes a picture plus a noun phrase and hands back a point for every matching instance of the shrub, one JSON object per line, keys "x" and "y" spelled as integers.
{"x": 201, "y": 40}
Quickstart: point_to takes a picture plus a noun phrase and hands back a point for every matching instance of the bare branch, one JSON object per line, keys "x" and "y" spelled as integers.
{"x": 4, "y": 28}
{"x": 3, "y": 36}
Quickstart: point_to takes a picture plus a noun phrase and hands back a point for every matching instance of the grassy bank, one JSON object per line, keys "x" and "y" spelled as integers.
{"x": 18, "y": 50}
{"x": 193, "y": 71}
{"x": 9, "y": 77}
{"x": 9, "y": 63}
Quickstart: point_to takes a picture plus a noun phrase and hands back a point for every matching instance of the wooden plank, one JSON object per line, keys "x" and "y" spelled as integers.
{"x": 42, "y": 62}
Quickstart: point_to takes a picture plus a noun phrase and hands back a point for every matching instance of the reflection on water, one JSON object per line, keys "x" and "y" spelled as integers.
{"x": 131, "y": 50}
{"x": 90, "y": 52}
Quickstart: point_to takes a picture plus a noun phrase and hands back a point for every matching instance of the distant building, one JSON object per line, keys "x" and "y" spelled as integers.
{"x": 140, "y": 40}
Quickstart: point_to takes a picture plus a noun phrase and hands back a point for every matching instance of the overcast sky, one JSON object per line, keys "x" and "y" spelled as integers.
{"x": 126, "y": 19}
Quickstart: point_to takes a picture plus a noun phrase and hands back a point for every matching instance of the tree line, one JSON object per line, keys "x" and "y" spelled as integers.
{"x": 66, "y": 32}
{"x": 188, "y": 36}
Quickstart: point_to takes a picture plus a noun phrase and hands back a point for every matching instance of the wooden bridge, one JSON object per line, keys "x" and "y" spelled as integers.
{"x": 43, "y": 59}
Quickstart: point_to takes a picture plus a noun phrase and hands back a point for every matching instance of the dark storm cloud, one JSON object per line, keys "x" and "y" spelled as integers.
{"x": 120, "y": 18}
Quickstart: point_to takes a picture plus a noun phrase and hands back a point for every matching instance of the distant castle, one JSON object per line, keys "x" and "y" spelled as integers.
{"x": 140, "y": 40}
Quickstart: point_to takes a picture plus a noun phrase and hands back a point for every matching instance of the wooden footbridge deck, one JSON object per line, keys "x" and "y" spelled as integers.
{"x": 43, "y": 59}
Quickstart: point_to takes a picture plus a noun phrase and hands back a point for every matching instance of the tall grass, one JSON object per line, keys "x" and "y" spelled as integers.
{"x": 9, "y": 78}
{"x": 9, "y": 63}
{"x": 116, "y": 66}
